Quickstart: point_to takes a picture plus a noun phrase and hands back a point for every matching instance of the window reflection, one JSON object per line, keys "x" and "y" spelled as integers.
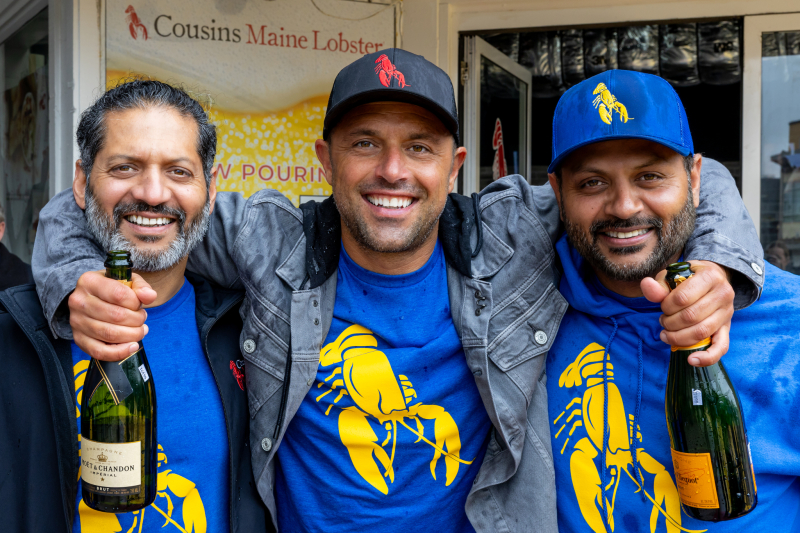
{"x": 780, "y": 149}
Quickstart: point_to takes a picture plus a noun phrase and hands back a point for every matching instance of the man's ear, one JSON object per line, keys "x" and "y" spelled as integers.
{"x": 79, "y": 185}
{"x": 212, "y": 190}
{"x": 695, "y": 178}
{"x": 556, "y": 189}
{"x": 459, "y": 157}
{"x": 324, "y": 155}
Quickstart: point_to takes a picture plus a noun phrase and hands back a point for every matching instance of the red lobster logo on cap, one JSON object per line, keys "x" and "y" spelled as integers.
{"x": 386, "y": 71}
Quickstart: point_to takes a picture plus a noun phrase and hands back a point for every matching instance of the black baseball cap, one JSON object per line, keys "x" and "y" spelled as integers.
{"x": 392, "y": 75}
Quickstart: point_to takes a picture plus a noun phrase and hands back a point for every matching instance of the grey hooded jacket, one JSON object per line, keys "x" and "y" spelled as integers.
{"x": 502, "y": 288}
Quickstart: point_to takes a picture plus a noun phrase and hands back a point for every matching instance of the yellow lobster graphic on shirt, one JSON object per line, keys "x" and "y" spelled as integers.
{"x": 606, "y": 103}
{"x": 171, "y": 487}
{"x": 584, "y": 417}
{"x": 362, "y": 372}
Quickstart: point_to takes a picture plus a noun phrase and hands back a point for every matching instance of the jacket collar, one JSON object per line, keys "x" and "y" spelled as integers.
{"x": 212, "y": 301}
{"x": 315, "y": 257}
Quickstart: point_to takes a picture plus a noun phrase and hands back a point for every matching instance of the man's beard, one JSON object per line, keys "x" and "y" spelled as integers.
{"x": 106, "y": 230}
{"x": 369, "y": 239}
{"x": 670, "y": 241}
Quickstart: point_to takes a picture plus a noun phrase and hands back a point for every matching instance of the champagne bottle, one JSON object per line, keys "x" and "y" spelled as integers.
{"x": 710, "y": 451}
{"x": 118, "y": 424}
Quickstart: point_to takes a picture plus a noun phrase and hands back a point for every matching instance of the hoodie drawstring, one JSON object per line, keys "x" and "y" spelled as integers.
{"x": 632, "y": 438}
{"x": 605, "y": 418}
{"x": 636, "y": 468}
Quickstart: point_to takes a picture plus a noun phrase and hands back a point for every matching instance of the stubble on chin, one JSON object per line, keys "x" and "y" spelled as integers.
{"x": 386, "y": 239}
{"x": 671, "y": 237}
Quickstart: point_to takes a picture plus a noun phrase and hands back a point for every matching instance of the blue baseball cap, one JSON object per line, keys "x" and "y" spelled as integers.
{"x": 619, "y": 104}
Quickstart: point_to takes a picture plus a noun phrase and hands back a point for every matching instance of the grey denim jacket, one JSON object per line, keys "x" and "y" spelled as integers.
{"x": 504, "y": 302}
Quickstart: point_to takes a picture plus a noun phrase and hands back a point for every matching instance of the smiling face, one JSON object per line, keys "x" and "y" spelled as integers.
{"x": 628, "y": 206}
{"x": 147, "y": 193}
{"x": 391, "y": 166}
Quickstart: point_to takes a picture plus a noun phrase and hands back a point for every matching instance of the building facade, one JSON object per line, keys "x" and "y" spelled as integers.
{"x": 264, "y": 68}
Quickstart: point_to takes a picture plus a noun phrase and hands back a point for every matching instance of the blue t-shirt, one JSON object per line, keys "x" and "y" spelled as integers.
{"x": 393, "y": 431}
{"x": 192, "y": 439}
{"x": 762, "y": 363}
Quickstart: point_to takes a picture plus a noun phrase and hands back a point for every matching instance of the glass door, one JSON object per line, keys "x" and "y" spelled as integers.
{"x": 497, "y": 115}
{"x": 771, "y": 184}
{"x": 24, "y": 145}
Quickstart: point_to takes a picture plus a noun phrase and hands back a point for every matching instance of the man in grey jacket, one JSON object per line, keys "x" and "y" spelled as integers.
{"x": 394, "y": 336}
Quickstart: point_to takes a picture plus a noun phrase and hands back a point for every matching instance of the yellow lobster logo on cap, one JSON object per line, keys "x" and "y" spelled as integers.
{"x": 606, "y": 103}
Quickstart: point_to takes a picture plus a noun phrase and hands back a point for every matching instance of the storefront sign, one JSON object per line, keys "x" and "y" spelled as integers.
{"x": 265, "y": 68}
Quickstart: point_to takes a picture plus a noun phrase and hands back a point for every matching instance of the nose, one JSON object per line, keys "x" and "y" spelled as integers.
{"x": 624, "y": 202}
{"x": 151, "y": 187}
{"x": 392, "y": 166}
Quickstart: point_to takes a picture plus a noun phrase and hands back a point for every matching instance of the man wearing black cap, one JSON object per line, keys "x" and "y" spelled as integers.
{"x": 392, "y": 335}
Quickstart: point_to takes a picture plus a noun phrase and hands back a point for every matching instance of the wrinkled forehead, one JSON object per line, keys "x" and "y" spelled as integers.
{"x": 152, "y": 132}
{"x": 392, "y": 118}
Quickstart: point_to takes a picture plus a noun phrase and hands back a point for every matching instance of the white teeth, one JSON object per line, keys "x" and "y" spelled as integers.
{"x": 626, "y": 235}
{"x": 142, "y": 221}
{"x": 396, "y": 202}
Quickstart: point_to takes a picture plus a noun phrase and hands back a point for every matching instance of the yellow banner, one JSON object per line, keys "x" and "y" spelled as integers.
{"x": 263, "y": 69}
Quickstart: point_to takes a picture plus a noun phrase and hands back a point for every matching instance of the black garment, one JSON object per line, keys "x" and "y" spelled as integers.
{"x": 13, "y": 270}
{"x": 39, "y": 461}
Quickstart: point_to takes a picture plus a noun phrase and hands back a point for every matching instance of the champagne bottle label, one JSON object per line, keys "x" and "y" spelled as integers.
{"x": 111, "y": 468}
{"x": 695, "y": 480}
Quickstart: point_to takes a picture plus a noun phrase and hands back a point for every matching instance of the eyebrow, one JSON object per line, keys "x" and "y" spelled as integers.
{"x": 422, "y": 136}
{"x": 593, "y": 170}
{"x": 362, "y": 131}
{"x": 419, "y": 136}
{"x": 125, "y": 157}
{"x": 651, "y": 162}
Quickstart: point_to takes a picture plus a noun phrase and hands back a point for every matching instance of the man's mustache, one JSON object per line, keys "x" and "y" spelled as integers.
{"x": 398, "y": 186}
{"x": 599, "y": 226}
{"x": 133, "y": 207}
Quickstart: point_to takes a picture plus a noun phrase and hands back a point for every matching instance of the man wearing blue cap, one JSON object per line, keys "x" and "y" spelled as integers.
{"x": 393, "y": 335}
{"x": 628, "y": 180}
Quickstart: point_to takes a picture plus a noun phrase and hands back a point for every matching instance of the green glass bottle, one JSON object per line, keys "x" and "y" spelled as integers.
{"x": 118, "y": 424}
{"x": 710, "y": 451}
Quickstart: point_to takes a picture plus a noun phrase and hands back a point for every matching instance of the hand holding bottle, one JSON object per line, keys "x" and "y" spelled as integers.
{"x": 107, "y": 317}
{"x": 700, "y": 308}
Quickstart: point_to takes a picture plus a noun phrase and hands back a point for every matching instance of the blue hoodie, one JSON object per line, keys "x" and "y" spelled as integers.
{"x": 763, "y": 363}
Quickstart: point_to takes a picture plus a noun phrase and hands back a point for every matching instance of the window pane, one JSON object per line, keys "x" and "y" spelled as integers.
{"x": 502, "y": 119}
{"x": 780, "y": 149}
{"x": 24, "y": 119}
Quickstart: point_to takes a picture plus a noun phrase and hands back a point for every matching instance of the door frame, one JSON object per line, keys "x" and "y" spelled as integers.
{"x": 754, "y": 26}
{"x": 474, "y": 48}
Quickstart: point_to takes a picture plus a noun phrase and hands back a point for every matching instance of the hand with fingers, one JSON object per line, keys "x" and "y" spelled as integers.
{"x": 698, "y": 308}
{"x": 107, "y": 317}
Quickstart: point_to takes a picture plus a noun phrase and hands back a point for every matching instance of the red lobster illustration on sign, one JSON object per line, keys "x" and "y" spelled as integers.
{"x": 134, "y": 24}
{"x": 499, "y": 168}
{"x": 386, "y": 71}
